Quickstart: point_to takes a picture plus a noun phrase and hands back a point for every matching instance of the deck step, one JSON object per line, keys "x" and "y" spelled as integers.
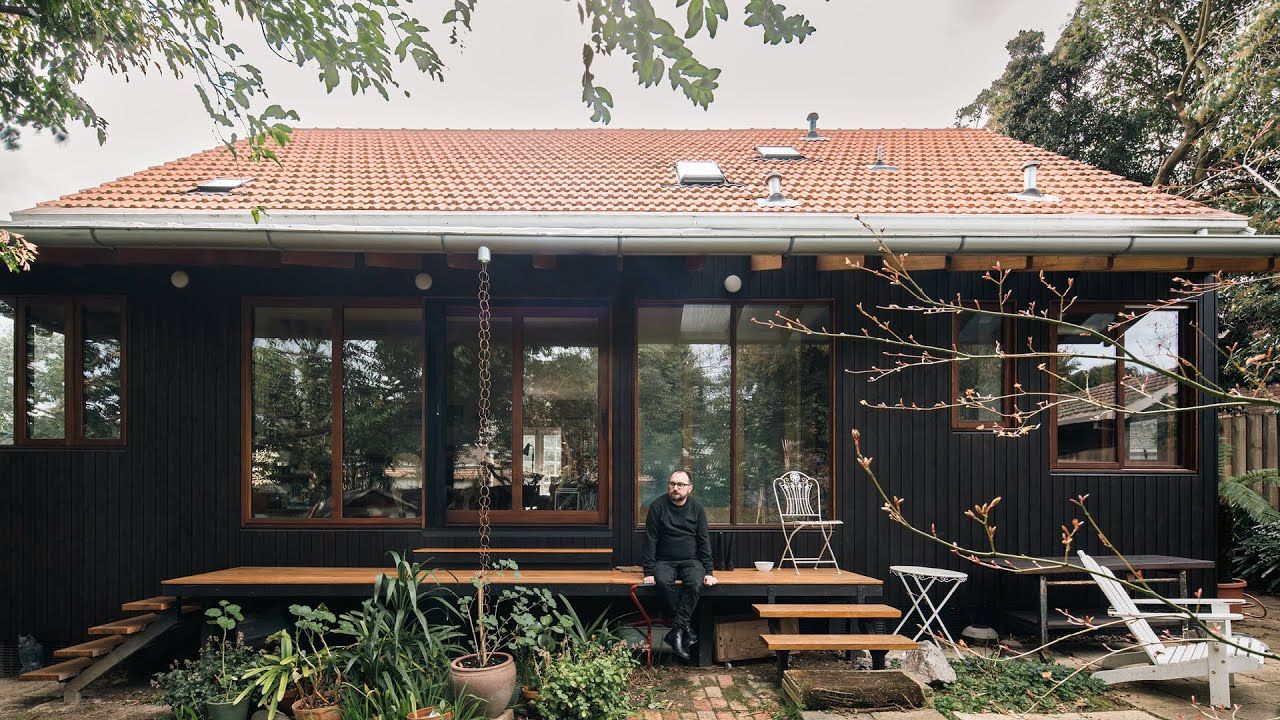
{"x": 155, "y": 604}
{"x": 863, "y": 611}
{"x": 57, "y": 673}
{"x": 127, "y": 626}
{"x": 871, "y": 641}
{"x": 505, "y": 551}
{"x": 90, "y": 649}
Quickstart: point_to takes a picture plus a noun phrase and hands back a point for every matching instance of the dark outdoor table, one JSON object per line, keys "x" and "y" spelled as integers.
{"x": 1044, "y": 567}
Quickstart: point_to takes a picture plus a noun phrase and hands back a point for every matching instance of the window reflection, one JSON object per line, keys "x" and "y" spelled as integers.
{"x": 783, "y": 418}
{"x": 46, "y": 386}
{"x": 1152, "y": 436}
{"x": 467, "y": 465}
{"x": 1086, "y": 433}
{"x": 8, "y": 374}
{"x": 382, "y": 361}
{"x": 292, "y": 413}
{"x": 560, "y": 410}
{"x": 683, "y": 395}
{"x": 101, "y": 365}
{"x": 979, "y": 335}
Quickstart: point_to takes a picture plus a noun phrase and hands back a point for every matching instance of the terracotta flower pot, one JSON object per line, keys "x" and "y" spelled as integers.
{"x": 529, "y": 693}
{"x": 1233, "y": 590}
{"x": 430, "y": 713}
{"x": 492, "y": 685}
{"x": 328, "y": 712}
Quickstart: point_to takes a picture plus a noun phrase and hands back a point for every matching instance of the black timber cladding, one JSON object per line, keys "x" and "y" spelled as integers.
{"x": 88, "y": 529}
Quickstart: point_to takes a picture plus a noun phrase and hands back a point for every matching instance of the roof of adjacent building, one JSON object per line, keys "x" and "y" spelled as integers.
{"x": 940, "y": 171}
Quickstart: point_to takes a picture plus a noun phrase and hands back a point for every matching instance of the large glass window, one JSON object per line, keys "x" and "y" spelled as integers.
{"x": 981, "y": 377}
{"x": 336, "y": 403}
{"x": 551, "y": 361}
{"x": 734, "y": 402}
{"x": 61, "y": 371}
{"x": 1093, "y": 378}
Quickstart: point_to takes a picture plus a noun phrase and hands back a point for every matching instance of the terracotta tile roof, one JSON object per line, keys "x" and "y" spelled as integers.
{"x": 944, "y": 171}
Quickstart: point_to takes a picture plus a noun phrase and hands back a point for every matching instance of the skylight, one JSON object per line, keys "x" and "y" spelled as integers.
{"x": 779, "y": 152}
{"x": 221, "y": 184}
{"x": 699, "y": 172}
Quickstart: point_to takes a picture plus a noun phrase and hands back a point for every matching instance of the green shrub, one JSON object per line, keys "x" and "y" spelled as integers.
{"x": 189, "y": 684}
{"x": 1258, "y": 556}
{"x": 1015, "y": 686}
{"x": 587, "y": 681}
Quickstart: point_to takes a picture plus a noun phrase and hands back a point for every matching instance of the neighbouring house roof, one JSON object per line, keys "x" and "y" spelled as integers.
{"x": 954, "y": 171}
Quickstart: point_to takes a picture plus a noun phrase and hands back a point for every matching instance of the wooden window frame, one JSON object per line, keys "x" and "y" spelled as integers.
{"x": 1007, "y": 378}
{"x": 831, "y": 498}
{"x": 335, "y": 307}
{"x": 517, "y": 516}
{"x": 73, "y": 371}
{"x": 1188, "y": 435}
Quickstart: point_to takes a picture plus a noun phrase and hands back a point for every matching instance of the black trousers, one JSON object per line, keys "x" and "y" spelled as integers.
{"x": 679, "y": 600}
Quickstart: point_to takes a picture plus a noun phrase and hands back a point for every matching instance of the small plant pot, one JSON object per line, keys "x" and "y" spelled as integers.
{"x": 328, "y": 712}
{"x": 229, "y": 711}
{"x": 529, "y": 693}
{"x": 492, "y": 685}
{"x": 430, "y": 713}
{"x": 1233, "y": 591}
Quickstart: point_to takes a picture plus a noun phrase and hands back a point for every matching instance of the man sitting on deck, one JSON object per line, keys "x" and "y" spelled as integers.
{"x": 676, "y": 546}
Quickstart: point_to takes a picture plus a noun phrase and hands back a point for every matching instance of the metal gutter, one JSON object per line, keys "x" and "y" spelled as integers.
{"x": 648, "y": 233}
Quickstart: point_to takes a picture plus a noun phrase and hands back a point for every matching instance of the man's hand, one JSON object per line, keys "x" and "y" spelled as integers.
{"x": 709, "y": 580}
{"x": 648, "y": 580}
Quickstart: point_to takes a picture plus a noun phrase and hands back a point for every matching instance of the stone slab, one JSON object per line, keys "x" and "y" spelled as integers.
{"x": 1105, "y": 715}
{"x": 828, "y": 715}
{"x": 921, "y": 714}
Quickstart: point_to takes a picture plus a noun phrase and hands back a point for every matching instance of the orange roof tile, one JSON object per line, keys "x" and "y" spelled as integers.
{"x": 942, "y": 171}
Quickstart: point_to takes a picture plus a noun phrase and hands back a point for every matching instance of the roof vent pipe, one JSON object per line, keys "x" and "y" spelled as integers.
{"x": 813, "y": 128}
{"x": 775, "y": 199}
{"x": 1029, "y": 179}
{"x": 880, "y": 164}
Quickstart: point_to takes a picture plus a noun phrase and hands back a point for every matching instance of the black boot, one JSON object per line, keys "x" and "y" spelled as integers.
{"x": 690, "y": 637}
{"x": 676, "y": 640}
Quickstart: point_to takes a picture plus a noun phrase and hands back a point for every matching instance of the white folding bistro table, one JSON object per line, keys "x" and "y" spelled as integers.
{"x": 919, "y": 581}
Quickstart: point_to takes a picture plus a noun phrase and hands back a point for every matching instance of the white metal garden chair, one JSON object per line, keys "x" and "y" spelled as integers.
{"x": 1212, "y": 659}
{"x": 799, "y": 499}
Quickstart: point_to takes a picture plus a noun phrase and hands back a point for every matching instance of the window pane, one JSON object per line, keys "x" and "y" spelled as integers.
{"x": 46, "y": 355}
{"x": 684, "y": 403}
{"x": 1152, "y": 436}
{"x": 784, "y": 407}
{"x": 8, "y": 374}
{"x": 292, "y": 413}
{"x": 1086, "y": 433}
{"x": 101, "y": 365}
{"x": 978, "y": 335}
{"x": 560, "y": 411}
{"x": 382, "y": 356}
{"x": 465, "y": 458}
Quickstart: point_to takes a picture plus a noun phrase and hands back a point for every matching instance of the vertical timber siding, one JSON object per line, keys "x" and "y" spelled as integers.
{"x": 88, "y": 529}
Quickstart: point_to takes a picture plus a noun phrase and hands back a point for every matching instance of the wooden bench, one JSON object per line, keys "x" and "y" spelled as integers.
{"x": 875, "y": 643}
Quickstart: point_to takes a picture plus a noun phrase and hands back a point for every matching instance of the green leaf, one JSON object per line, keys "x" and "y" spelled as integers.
{"x": 694, "y": 16}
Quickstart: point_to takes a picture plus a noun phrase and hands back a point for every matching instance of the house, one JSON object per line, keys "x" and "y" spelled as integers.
{"x": 192, "y": 388}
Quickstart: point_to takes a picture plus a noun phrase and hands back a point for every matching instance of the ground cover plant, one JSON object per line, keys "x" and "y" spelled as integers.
{"x": 215, "y": 675}
{"x": 1018, "y": 686}
{"x": 586, "y": 680}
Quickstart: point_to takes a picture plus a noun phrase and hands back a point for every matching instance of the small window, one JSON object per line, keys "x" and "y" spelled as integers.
{"x": 699, "y": 172}
{"x": 986, "y": 377}
{"x": 1127, "y": 413}
{"x": 778, "y": 152}
{"x": 61, "y": 371}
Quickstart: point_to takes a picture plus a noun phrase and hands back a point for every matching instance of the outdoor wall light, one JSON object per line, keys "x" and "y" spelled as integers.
{"x": 733, "y": 283}
{"x": 179, "y": 279}
{"x": 422, "y": 281}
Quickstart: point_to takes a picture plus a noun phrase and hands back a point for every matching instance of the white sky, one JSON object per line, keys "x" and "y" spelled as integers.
{"x": 910, "y": 63}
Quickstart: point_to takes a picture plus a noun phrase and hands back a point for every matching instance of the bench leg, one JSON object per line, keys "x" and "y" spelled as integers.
{"x": 877, "y": 659}
{"x": 706, "y": 633}
{"x": 782, "y": 664}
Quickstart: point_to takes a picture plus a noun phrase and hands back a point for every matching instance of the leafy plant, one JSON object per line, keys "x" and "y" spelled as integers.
{"x": 225, "y": 617}
{"x": 1258, "y": 556}
{"x": 1015, "y": 686}
{"x": 307, "y": 662}
{"x": 587, "y": 681}
{"x": 1237, "y": 493}
{"x": 191, "y": 684}
{"x": 398, "y": 659}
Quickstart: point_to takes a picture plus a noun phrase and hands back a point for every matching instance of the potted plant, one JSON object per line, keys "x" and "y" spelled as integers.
{"x": 210, "y": 686}
{"x": 586, "y": 680}
{"x": 489, "y": 675}
{"x": 1238, "y": 500}
{"x": 306, "y": 663}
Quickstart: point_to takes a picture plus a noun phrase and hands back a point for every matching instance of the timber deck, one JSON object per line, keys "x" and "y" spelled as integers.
{"x": 357, "y": 581}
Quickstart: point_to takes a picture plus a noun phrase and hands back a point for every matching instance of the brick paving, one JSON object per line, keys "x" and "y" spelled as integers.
{"x": 682, "y": 693}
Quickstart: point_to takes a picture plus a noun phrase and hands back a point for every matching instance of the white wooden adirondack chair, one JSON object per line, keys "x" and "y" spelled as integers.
{"x": 1212, "y": 660}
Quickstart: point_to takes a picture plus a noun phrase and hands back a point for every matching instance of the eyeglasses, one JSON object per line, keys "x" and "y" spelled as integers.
{"x": 676, "y": 484}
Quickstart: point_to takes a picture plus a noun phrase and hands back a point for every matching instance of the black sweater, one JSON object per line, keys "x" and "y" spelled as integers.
{"x": 676, "y": 532}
